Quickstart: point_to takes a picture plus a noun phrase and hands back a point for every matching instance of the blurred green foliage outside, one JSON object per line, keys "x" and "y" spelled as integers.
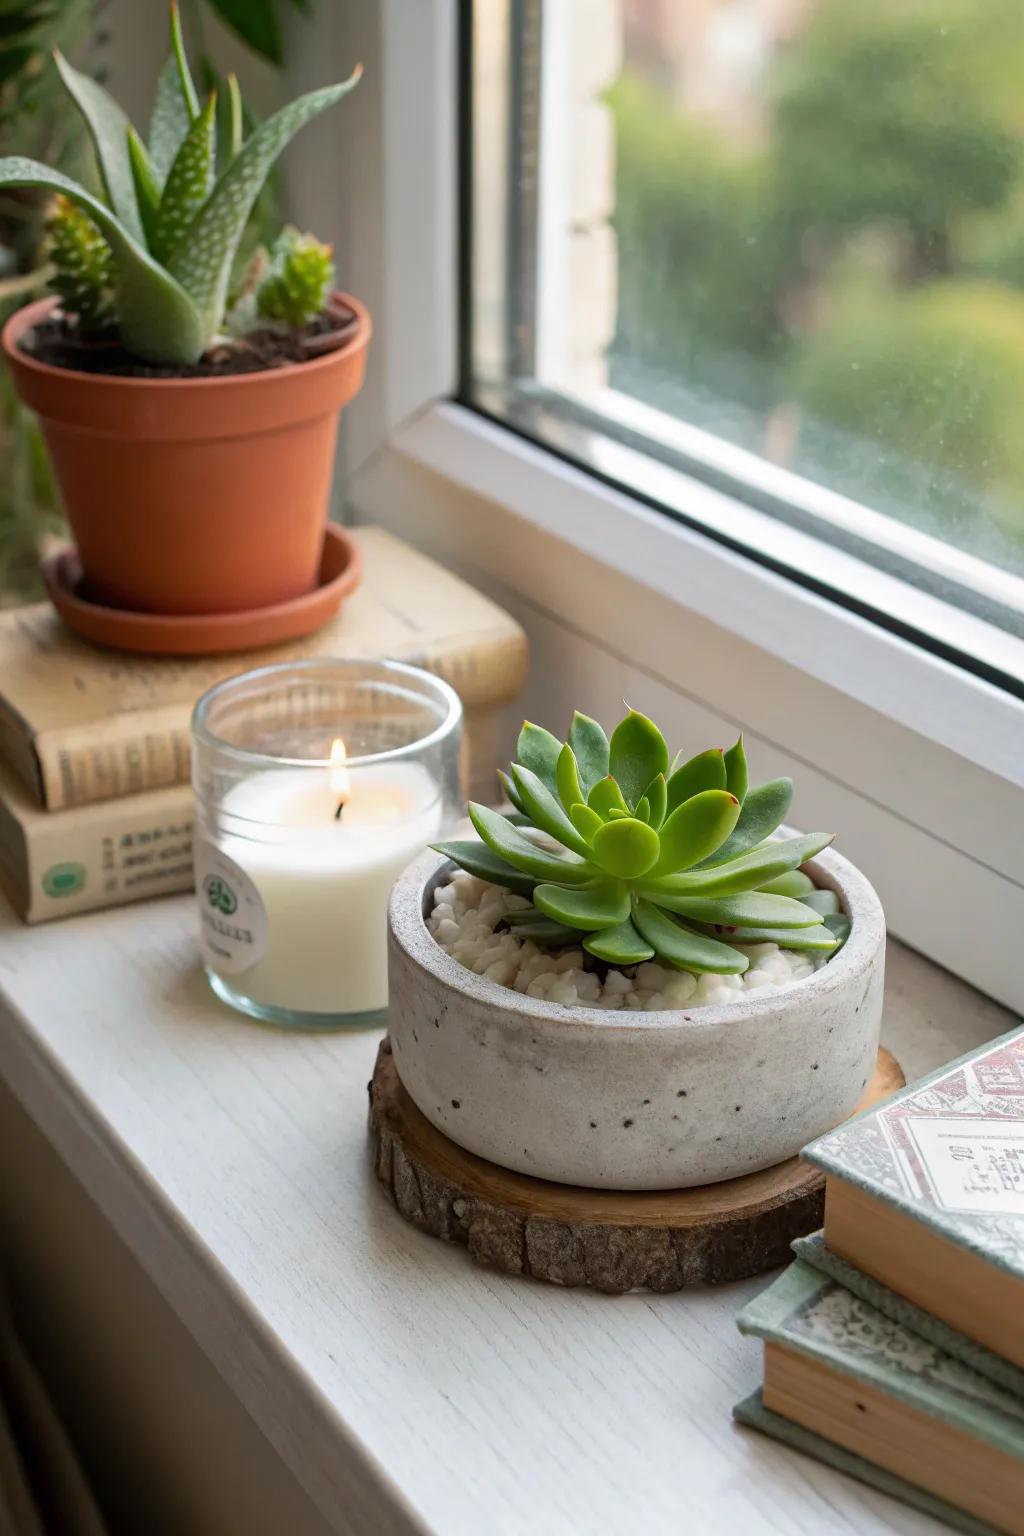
{"x": 857, "y": 266}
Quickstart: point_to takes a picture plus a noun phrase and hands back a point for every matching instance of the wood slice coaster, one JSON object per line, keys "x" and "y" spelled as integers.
{"x": 614, "y": 1241}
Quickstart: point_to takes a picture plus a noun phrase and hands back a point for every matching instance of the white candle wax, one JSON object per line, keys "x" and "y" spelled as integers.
{"x": 293, "y": 900}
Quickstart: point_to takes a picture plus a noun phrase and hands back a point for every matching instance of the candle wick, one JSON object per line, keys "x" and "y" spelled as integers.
{"x": 341, "y": 807}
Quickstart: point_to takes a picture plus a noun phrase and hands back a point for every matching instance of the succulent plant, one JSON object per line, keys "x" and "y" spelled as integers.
{"x": 645, "y": 858}
{"x": 172, "y": 217}
{"x": 298, "y": 279}
{"x": 83, "y": 272}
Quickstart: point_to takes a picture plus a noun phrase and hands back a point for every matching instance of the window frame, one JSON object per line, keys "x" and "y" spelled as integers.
{"x": 918, "y": 761}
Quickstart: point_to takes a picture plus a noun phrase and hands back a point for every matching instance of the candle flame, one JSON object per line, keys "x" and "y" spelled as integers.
{"x": 341, "y": 783}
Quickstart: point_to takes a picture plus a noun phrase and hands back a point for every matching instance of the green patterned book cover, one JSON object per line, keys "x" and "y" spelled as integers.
{"x": 948, "y": 1151}
{"x": 808, "y": 1312}
{"x": 813, "y": 1251}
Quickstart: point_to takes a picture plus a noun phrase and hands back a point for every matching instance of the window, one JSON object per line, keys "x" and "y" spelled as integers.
{"x": 774, "y": 248}
{"x": 654, "y": 527}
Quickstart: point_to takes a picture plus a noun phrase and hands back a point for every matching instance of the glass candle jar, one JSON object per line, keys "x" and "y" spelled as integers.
{"x": 316, "y": 783}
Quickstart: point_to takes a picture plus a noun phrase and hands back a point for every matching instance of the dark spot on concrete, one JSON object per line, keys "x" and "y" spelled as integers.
{"x": 738, "y": 1108}
{"x": 456, "y": 1103}
{"x": 814, "y": 1066}
{"x": 437, "y": 1022}
{"x": 647, "y": 1101}
{"x": 593, "y": 1125}
{"x": 627, "y": 1124}
{"x": 675, "y": 1117}
{"x": 680, "y": 1093}
{"x": 416, "y": 1037}
{"x": 537, "y": 1067}
{"x": 670, "y": 1151}
{"x": 718, "y": 1138}
{"x": 761, "y": 1063}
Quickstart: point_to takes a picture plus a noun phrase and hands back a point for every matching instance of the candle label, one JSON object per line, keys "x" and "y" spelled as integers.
{"x": 232, "y": 918}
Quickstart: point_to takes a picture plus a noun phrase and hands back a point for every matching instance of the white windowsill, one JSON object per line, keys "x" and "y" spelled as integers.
{"x": 407, "y": 1390}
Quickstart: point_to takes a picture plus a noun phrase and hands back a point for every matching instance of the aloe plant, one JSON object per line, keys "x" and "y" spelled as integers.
{"x": 171, "y": 217}
{"x": 645, "y": 858}
{"x": 298, "y": 279}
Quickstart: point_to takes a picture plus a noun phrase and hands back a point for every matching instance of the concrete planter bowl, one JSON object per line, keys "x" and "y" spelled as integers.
{"x": 629, "y": 1100}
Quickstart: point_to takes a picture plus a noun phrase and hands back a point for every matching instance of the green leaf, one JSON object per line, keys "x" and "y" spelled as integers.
{"x": 590, "y": 749}
{"x": 547, "y": 933}
{"x": 188, "y": 182}
{"x": 605, "y": 904}
{"x": 765, "y": 808}
{"x": 255, "y": 22}
{"x": 747, "y": 872}
{"x": 795, "y": 883}
{"x": 736, "y": 779}
{"x": 545, "y": 810}
{"x": 683, "y": 947}
{"x": 512, "y": 845}
{"x": 705, "y": 771}
{"x": 477, "y": 859}
{"x": 586, "y": 821}
{"x": 236, "y": 132}
{"x": 745, "y": 909}
{"x": 606, "y": 796}
{"x": 567, "y": 778}
{"x": 511, "y": 792}
{"x": 825, "y": 902}
{"x": 656, "y": 795}
{"x": 636, "y": 754}
{"x": 539, "y": 751}
{"x": 147, "y": 193}
{"x": 838, "y": 925}
{"x": 108, "y": 128}
{"x": 696, "y": 828}
{"x": 627, "y": 848}
{"x": 643, "y": 810}
{"x": 156, "y": 318}
{"x": 202, "y": 261}
{"x": 169, "y": 121}
{"x": 186, "y": 88}
{"x": 817, "y": 937}
{"x": 621, "y": 945}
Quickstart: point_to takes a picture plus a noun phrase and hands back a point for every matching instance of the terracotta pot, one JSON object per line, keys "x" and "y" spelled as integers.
{"x": 193, "y": 495}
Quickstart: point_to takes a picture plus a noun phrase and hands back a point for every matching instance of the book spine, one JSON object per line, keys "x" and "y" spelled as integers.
{"x": 104, "y": 856}
{"x": 150, "y": 749}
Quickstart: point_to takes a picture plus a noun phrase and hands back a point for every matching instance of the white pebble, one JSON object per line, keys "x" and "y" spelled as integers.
{"x": 466, "y": 920}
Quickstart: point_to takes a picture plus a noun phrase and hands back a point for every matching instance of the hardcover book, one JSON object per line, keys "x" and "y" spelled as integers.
{"x": 815, "y": 1252}
{"x": 78, "y": 724}
{"x": 104, "y": 855}
{"x": 926, "y": 1194}
{"x": 840, "y": 1369}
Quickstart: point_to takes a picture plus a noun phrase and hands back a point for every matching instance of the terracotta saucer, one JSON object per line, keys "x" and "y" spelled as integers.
{"x": 205, "y": 634}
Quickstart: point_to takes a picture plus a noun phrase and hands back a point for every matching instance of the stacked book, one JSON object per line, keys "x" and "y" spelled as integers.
{"x": 95, "y": 801}
{"x": 894, "y": 1346}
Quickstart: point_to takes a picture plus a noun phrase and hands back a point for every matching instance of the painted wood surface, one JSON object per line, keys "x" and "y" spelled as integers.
{"x": 408, "y": 1390}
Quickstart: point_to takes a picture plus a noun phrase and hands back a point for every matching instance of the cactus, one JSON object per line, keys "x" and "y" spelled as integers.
{"x": 83, "y": 270}
{"x": 647, "y": 859}
{"x": 171, "y": 219}
{"x": 298, "y": 280}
